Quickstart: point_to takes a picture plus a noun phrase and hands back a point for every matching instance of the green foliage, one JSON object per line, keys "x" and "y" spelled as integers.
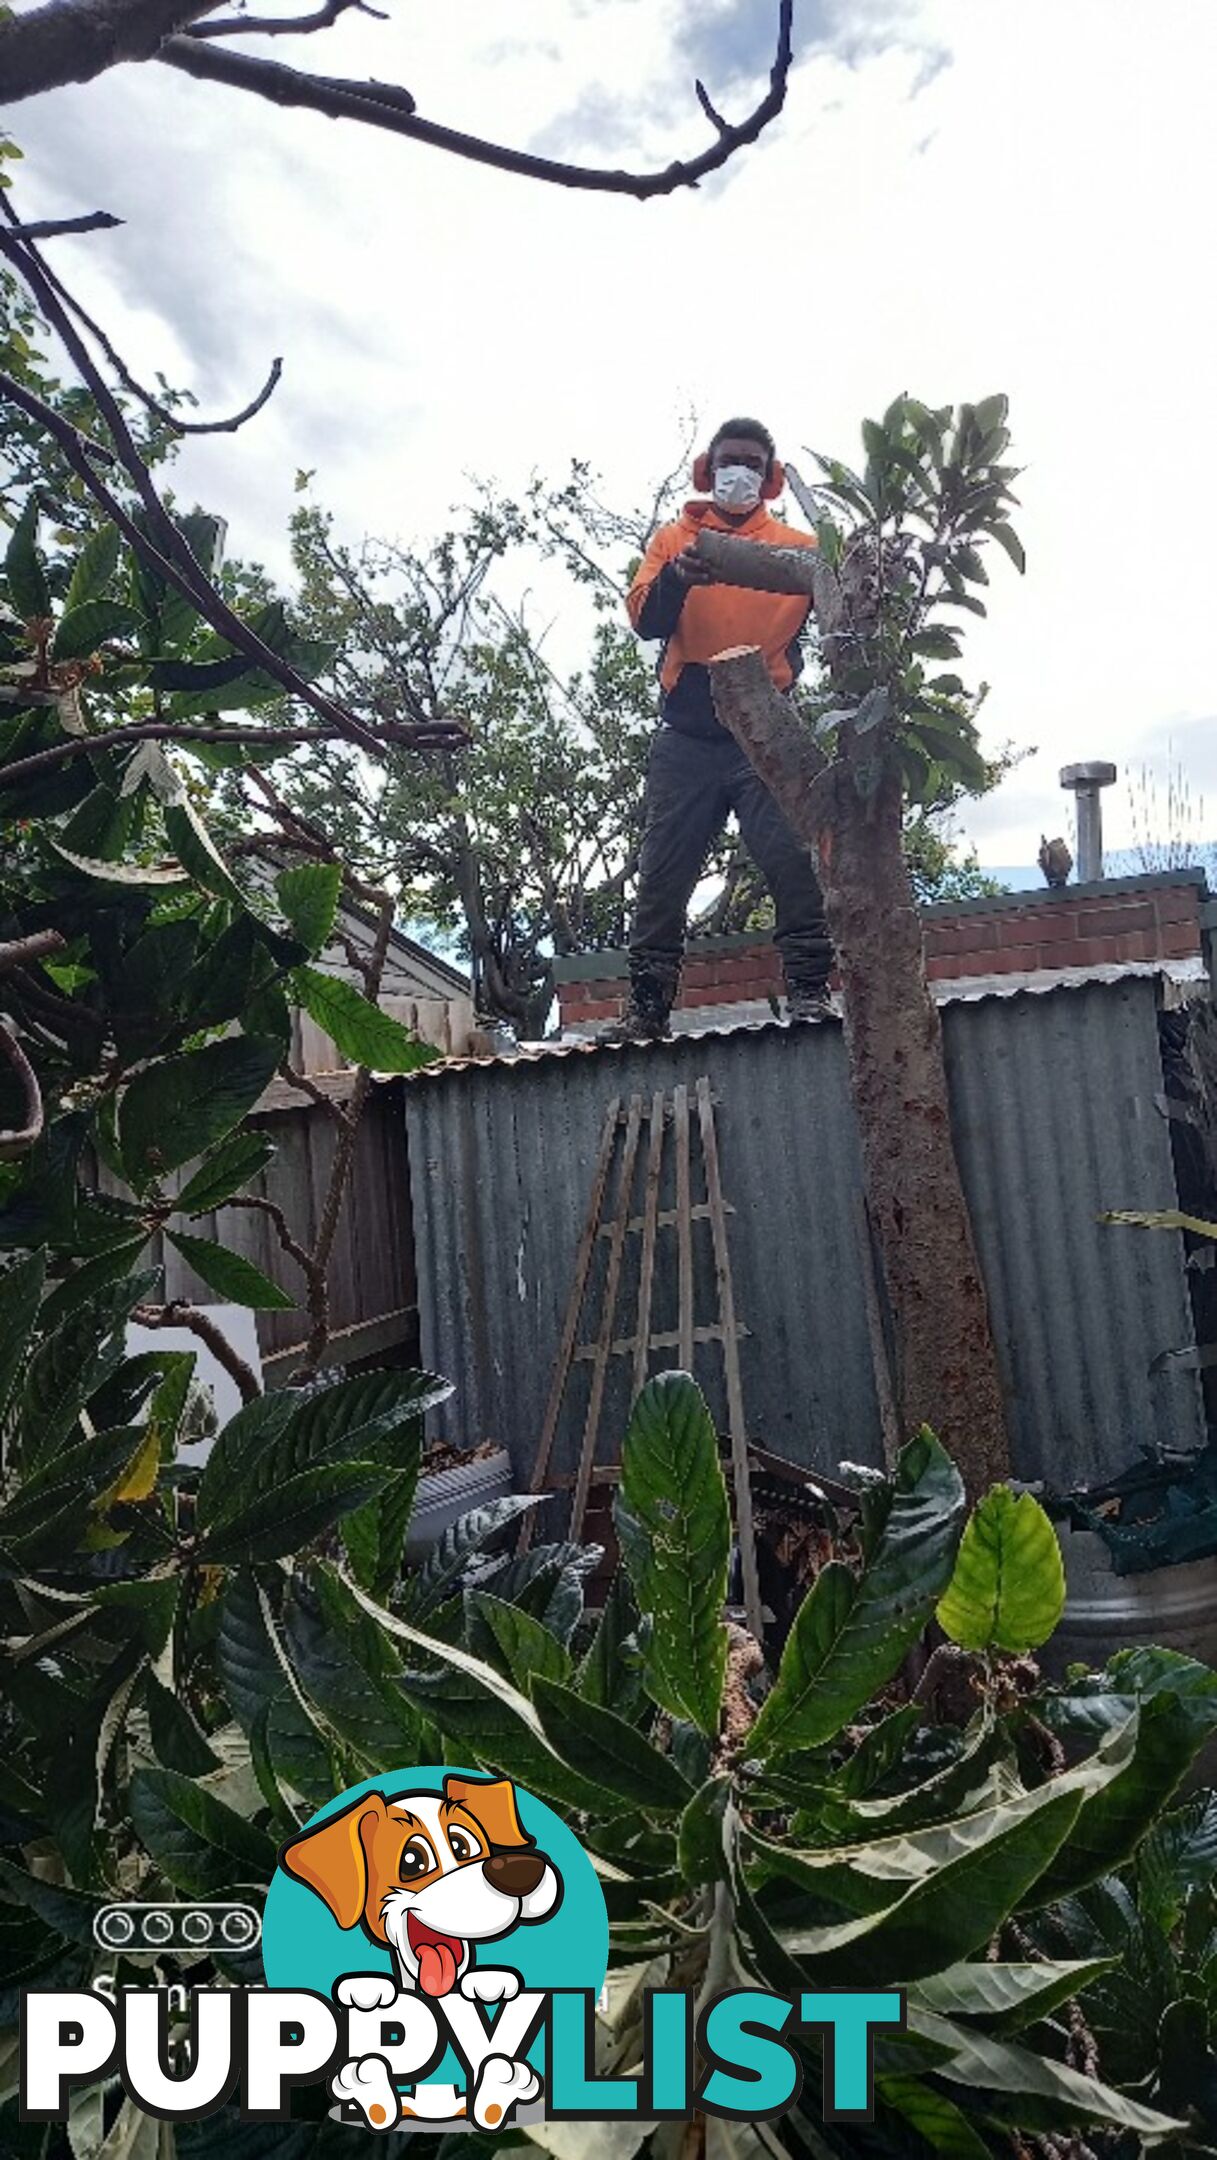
{"x": 28, "y": 592}
{"x": 855, "y": 1625}
{"x": 362, "y": 1032}
{"x": 526, "y": 845}
{"x": 308, "y": 897}
{"x": 158, "y": 1024}
{"x": 193, "y": 1660}
{"x": 938, "y": 872}
{"x": 223, "y": 1672}
{"x": 907, "y": 537}
{"x": 1008, "y": 1589}
{"x": 676, "y": 1534}
{"x": 229, "y": 1274}
{"x": 183, "y": 1106}
{"x": 1153, "y": 2010}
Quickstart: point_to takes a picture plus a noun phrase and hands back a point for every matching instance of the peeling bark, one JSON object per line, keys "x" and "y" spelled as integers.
{"x": 946, "y": 1373}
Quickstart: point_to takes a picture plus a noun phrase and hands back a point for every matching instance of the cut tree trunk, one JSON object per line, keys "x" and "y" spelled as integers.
{"x": 946, "y": 1369}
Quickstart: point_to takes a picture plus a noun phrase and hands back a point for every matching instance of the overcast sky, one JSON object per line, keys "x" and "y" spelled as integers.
{"x": 962, "y": 196}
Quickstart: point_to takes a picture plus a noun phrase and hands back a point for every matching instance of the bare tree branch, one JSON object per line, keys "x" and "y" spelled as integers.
{"x": 384, "y": 106}
{"x": 283, "y": 25}
{"x": 72, "y": 41}
{"x": 23, "y": 952}
{"x": 55, "y": 228}
{"x": 789, "y": 761}
{"x": 165, "y": 545}
{"x": 187, "y": 576}
{"x": 180, "y": 1314}
{"x": 68, "y": 41}
{"x": 166, "y": 413}
{"x": 152, "y": 731}
{"x": 390, "y": 734}
{"x": 305, "y": 1085}
{"x": 19, "y": 1139}
{"x": 163, "y": 413}
{"x": 257, "y": 1204}
{"x": 714, "y": 117}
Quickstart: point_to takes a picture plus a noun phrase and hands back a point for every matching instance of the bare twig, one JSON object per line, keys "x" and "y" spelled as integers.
{"x": 19, "y": 1139}
{"x": 165, "y": 543}
{"x": 55, "y": 228}
{"x": 1051, "y": 1753}
{"x": 154, "y": 731}
{"x": 306, "y": 1086}
{"x": 389, "y": 734}
{"x": 271, "y": 1209}
{"x": 282, "y": 25}
{"x": 357, "y": 959}
{"x": 714, "y": 117}
{"x": 27, "y": 951}
{"x": 293, "y": 822}
{"x": 187, "y": 576}
{"x": 181, "y": 1314}
{"x": 164, "y": 413}
{"x": 378, "y": 105}
{"x": 1083, "y": 2047}
{"x": 297, "y": 831}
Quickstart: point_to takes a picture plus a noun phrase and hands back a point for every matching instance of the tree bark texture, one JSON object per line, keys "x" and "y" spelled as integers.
{"x": 946, "y": 1374}
{"x": 72, "y": 41}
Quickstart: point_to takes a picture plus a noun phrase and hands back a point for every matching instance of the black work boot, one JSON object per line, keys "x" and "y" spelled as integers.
{"x": 808, "y": 1001}
{"x": 652, "y": 992}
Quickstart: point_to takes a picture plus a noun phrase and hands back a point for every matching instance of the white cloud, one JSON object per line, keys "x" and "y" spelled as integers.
{"x": 1033, "y": 217}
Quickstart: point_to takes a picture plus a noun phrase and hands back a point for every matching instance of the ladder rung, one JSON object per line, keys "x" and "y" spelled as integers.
{"x": 627, "y": 1344}
{"x": 666, "y": 1217}
{"x": 668, "y": 1111}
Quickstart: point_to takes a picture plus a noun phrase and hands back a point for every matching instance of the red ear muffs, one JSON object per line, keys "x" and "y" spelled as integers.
{"x": 703, "y": 478}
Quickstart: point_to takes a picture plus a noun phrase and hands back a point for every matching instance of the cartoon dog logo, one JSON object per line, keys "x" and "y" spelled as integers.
{"x": 431, "y": 1876}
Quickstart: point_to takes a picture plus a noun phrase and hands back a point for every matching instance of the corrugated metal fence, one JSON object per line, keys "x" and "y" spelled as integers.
{"x": 1053, "y": 1101}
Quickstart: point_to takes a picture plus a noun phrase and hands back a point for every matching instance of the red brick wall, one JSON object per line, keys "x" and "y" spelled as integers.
{"x": 1083, "y": 926}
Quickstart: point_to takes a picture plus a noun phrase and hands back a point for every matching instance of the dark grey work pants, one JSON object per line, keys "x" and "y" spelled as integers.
{"x": 692, "y": 786}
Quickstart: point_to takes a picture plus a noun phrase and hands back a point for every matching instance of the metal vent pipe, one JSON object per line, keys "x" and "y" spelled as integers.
{"x": 1086, "y": 782}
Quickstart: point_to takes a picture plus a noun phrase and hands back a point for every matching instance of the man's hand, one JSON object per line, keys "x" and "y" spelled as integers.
{"x": 692, "y": 568}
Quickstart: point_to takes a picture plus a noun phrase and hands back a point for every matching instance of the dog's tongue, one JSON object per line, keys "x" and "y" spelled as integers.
{"x": 438, "y": 1956}
{"x": 436, "y": 1967}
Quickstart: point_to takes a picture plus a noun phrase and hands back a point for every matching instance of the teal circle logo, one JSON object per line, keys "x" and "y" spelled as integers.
{"x": 434, "y": 1888}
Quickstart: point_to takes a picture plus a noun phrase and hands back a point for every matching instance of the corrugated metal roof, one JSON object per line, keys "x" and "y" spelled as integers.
{"x": 1055, "y": 1122}
{"x": 755, "y": 1015}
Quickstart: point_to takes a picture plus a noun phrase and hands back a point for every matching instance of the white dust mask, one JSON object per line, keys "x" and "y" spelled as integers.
{"x": 737, "y": 487}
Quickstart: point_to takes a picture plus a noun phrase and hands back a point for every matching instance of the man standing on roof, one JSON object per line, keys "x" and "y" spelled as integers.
{"x": 697, "y": 773}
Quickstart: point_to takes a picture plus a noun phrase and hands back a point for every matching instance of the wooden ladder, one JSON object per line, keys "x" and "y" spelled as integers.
{"x": 621, "y": 1142}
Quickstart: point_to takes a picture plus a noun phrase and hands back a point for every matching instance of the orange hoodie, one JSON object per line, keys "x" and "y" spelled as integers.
{"x": 697, "y": 621}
